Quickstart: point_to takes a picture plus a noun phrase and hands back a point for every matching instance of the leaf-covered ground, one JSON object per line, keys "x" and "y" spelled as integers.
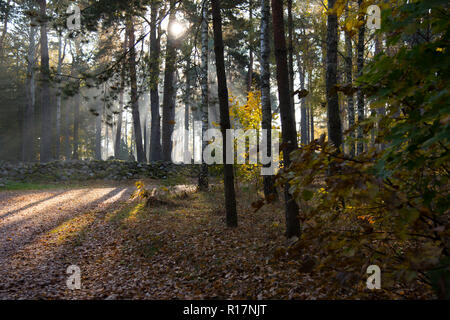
{"x": 178, "y": 247}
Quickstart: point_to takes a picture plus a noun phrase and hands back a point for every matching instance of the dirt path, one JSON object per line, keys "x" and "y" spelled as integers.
{"x": 176, "y": 248}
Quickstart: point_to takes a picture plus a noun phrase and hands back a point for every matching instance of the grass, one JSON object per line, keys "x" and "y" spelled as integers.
{"x": 40, "y": 185}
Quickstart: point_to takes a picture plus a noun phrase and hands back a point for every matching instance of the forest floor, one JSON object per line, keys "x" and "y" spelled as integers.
{"x": 176, "y": 248}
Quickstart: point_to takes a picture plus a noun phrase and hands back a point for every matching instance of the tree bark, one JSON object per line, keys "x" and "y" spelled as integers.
{"x": 187, "y": 107}
{"x": 168, "y": 119}
{"x": 76, "y": 124}
{"x": 250, "y": 41}
{"x": 311, "y": 127}
{"x": 29, "y": 121}
{"x": 4, "y": 32}
{"x": 67, "y": 145}
{"x": 98, "y": 128}
{"x": 334, "y": 119}
{"x": 118, "y": 140}
{"x": 203, "y": 183}
{"x": 360, "y": 94}
{"x": 134, "y": 93}
{"x": 230, "y": 196}
{"x": 269, "y": 188}
{"x": 291, "y": 55}
{"x": 382, "y": 110}
{"x": 289, "y": 132}
{"x": 59, "y": 98}
{"x": 46, "y": 119}
{"x": 349, "y": 80}
{"x": 308, "y": 129}
{"x": 303, "y": 119}
{"x": 155, "y": 51}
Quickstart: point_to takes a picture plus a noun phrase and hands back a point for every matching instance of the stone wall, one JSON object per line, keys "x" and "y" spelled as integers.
{"x": 86, "y": 170}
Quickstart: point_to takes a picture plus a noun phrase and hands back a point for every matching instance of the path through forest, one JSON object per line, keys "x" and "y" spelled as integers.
{"x": 27, "y": 221}
{"x": 174, "y": 248}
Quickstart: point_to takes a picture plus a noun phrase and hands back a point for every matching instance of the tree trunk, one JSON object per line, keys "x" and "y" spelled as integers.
{"x": 76, "y": 124}
{"x": 58, "y": 99}
{"x": 334, "y": 119}
{"x": 77, "y": 101}
{"x": 230, "y": 196}
{"x": 303, "y": 108}
{"x": 146, "y": 124}
{"x": 311, "y": 136}
{"x": 155, "y": 51}
{"x": 250, "y": 65}
{"x": 289, "y": 132}
{"x": 360, "y": 94}
{"x": 29, "y": 121}
{"x": 98, "y": 129}
{"x": 349, "y": 80}
{"x": 67, "y": 147}
{"x": 168, "y": 102}
{"x": 105, "y": 116}
{"x": 382, "y": 110}
{"x": 308, "y": 121}
{"x": 291, "y": 55}
{"x": 203, "y": 182}
{"x": 120, "y": 116}
{"x": 46, "y": 119}
{"x": 134, "y": 93}
{"x": 187, "y": 107}
{"x": 269, "y": 189}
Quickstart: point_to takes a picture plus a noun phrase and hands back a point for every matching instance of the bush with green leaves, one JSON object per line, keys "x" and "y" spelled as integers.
{"x": 390, "y": 205}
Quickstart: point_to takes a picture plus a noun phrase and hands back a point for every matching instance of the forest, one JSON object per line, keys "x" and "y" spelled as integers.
{"x": 224, "y": 149}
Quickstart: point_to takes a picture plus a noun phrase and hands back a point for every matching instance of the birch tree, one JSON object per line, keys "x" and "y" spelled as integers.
{"x": 266, "y": 105}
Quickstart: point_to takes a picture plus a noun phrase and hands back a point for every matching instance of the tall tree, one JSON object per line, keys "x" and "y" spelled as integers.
{"x": 98, "y": 126}
{"x": 46, "y": 130}
{"x": 118, "y": 140}
{"x": 291, "y": 55}
{"x": 76, "y": 64}
{"x": 349, "y": 80}
{"x": 61, "y": 55}
{"x": 29, "y": 121}
{"x": 360, "y": 66}
{"x": 311, "y": 126}
{"x": 4, "y": 31}
{"x": 289, "y": 132}
{"x": 230, "y": 196}
{"x": 155, "y": 51}
{"x": 334, "y": 119}
{"x": 76, "y": 123}
{"x": 266, "y": 105}
{"x": 303, "y": 108}
{"x": 168, "y": 118}
{"x": 250, "y": 41}
{"x": 134, "y": 92}
{"x": 187, "y": 104}
{"x": 203, "y": 183}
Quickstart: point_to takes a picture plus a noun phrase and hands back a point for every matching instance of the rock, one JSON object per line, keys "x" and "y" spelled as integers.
{"x": 83, "y": 170}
